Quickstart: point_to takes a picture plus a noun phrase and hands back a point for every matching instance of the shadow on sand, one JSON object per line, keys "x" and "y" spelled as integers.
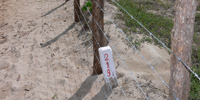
{"x": 84, "y": 89}
{"x": 53, "y": 9}
{"x": 57, "y": 37}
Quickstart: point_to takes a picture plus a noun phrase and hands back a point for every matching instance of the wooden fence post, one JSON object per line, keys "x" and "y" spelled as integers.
{"x": 182, "y": 39}
{"x": 98, "y": 35}
{"x": 76, "y": 9}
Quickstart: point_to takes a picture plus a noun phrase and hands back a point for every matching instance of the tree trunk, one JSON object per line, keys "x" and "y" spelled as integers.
{"x": 98, "y": 36}
{"x": 182, "y": 39}
{"x": 76, "y": 9}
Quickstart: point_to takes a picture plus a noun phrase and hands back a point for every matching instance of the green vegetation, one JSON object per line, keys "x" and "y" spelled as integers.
{"x": 195, "y": 87}
{"x": 195, "y": 83}
{"x": 157, "y": 24}
{"x": 161, "y": 26}
{"x": 55, "y": 96}
{"x": 87, "y": 5}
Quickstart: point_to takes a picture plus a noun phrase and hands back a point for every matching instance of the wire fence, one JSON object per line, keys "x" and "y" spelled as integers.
{"x": 99, "y": 47}
{"x": 151, "y": 34}
{"x": 134, "y": 47}
{"x": 78, "y": 81}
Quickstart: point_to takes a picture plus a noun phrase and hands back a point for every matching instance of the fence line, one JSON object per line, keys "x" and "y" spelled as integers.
{"x": 151, "y": 34}
{"x": 99, "y": 46}
{"x": 86, "y": 33}
{"x": 96, "y": 57}
{"x": 118, "y": 56}
{"x": 139, "y": 53}
{"x": 152, "y": 67}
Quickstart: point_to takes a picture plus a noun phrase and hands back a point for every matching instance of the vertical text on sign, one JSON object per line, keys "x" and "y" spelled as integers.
{"x": 107, "y": 63}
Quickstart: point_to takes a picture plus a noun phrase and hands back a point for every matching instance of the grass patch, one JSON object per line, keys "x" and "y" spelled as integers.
{"x": 195, "y": 83}
{"x": 160, "y": 26}
{"x": 153, "y": 5}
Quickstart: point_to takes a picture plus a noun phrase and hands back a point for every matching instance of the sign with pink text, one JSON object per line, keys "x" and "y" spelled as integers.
{"x": 107, "y": 63}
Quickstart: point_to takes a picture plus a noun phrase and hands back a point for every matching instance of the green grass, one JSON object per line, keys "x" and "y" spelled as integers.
{"x": 160, "y": 26}
{"x": 198, "y": 8}
{"x": 195, "y": 83}
{"x": 153, "y": 5}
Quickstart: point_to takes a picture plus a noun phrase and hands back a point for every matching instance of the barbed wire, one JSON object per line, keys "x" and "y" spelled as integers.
{"x": 171, "y": 51}
{"x": 100, "y": 46}
{"x": 74, "y": 58}
{"x": 90, "y": 42}
{"x": 94, "y": 53}
{"x": 96, "y": 57}
{"x": 151, "y": 34}
{"x": 119, "y": 57}
{"x": 138, "y": 52}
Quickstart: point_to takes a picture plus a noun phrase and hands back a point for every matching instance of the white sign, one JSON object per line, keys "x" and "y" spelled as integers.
{"x": 107, "y": 63}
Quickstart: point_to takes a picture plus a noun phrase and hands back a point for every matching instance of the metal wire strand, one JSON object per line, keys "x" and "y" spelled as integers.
{"x": 99, "y": 46}
{"x": 96, "y": 57}
{"x": 122, "y": 62}
{"x": 89, "y": 41}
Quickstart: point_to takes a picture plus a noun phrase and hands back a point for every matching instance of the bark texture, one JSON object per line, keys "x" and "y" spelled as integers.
{"x": 76, "y": 9}
{"x": 98, "y": 36}
{"x": 182, "y": 39}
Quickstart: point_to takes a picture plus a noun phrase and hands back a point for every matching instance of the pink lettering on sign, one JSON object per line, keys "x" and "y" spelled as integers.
{"x": 106, "y": 59}
{"x": 106, "y": 56}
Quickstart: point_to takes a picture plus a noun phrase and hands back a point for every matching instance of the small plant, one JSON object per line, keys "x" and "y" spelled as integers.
{"x": 137, "y": 44}
{"x": 87, "y": 5}
{"x": 55, "y": 96}
{"x": 148, "y": 39}
{"x": 86, "y": 16}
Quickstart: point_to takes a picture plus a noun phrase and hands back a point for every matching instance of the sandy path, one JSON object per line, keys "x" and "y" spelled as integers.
{"x": 45, "y": 56}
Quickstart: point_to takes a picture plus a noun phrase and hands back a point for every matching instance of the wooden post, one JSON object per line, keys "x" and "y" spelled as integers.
{"x": 97, "y": 16}
{"x": 182, "y": 39}
{"x": 76, "y": 9}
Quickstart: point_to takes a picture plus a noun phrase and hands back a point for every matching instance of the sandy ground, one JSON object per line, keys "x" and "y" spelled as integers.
{"x": 44, "y": 55}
